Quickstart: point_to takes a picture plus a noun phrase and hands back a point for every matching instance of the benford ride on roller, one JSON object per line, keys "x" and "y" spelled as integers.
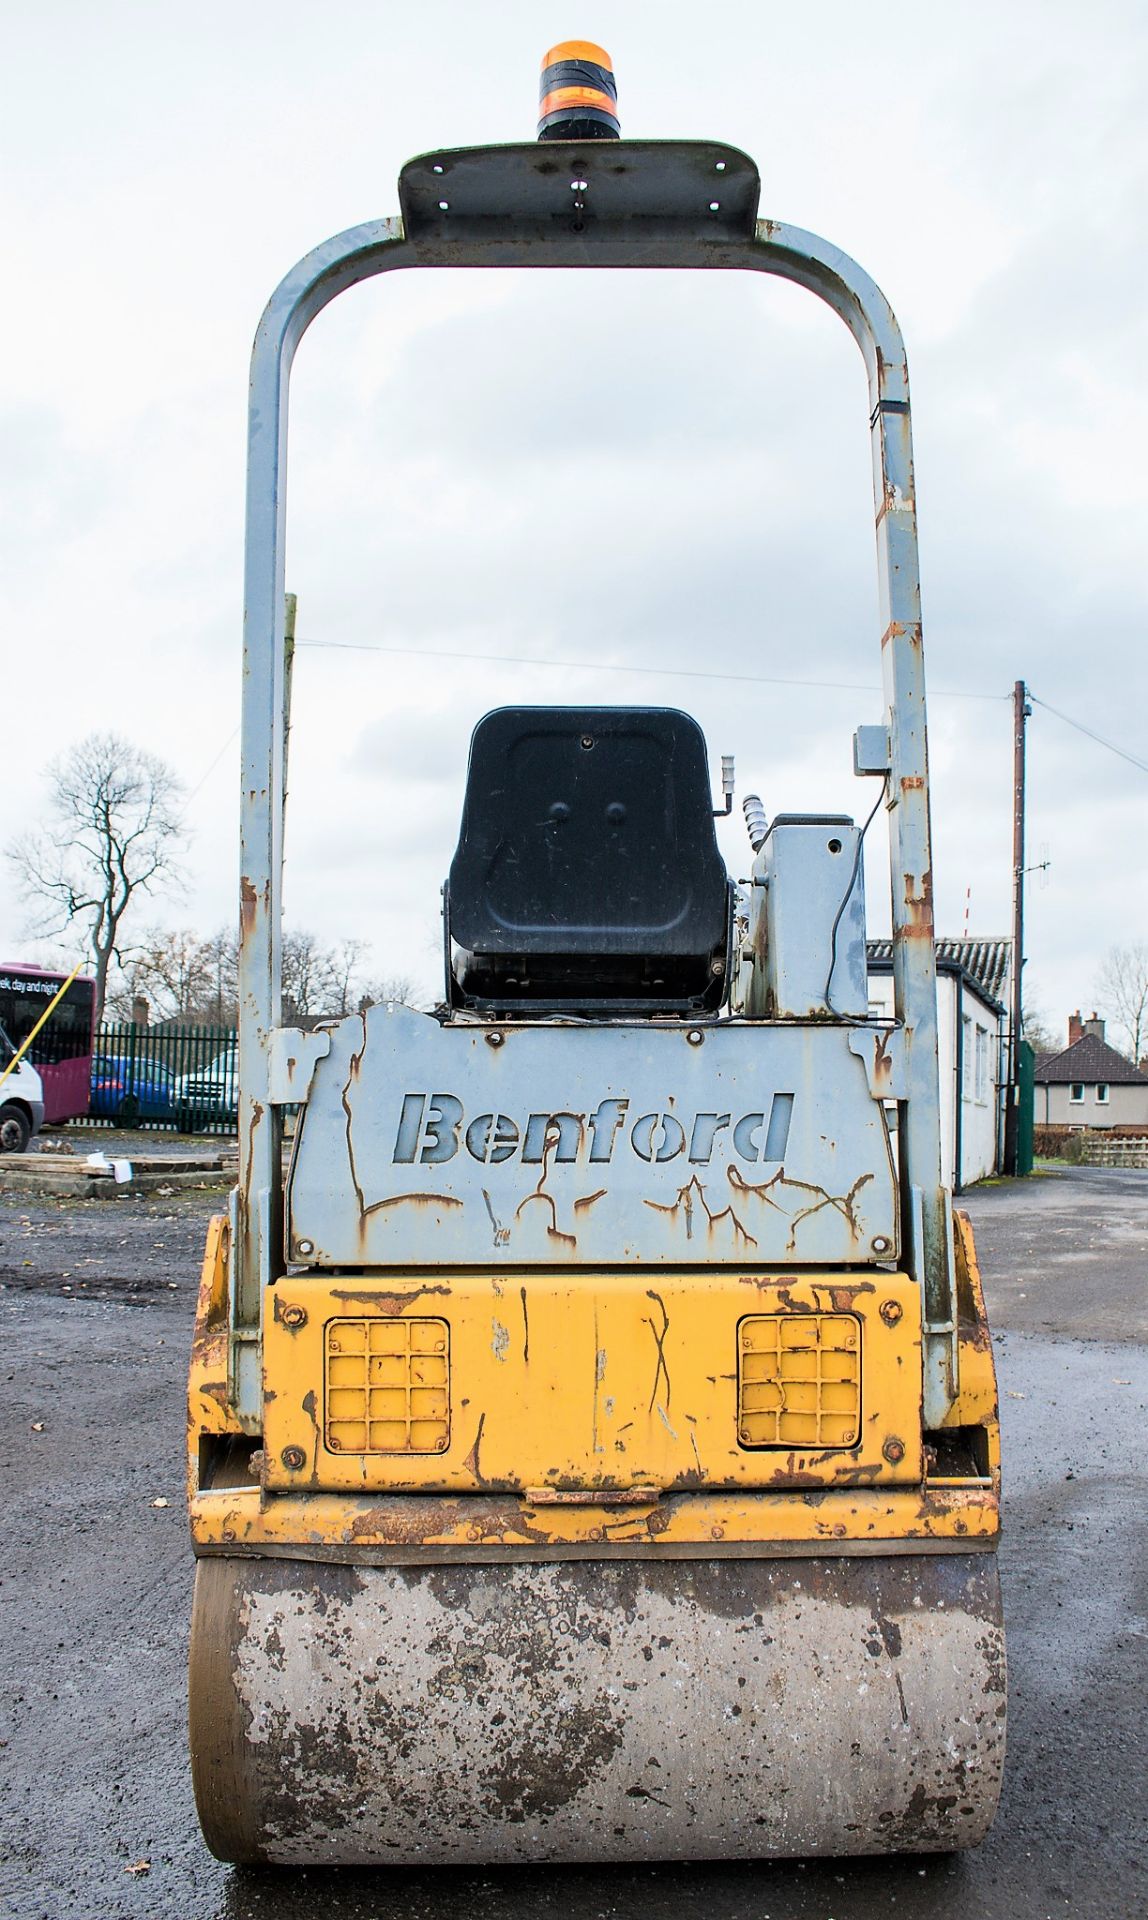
{"x": 593, "y": 1437}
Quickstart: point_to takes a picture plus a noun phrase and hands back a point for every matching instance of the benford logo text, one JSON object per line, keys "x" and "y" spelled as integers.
{"x": 433, "y": 1128}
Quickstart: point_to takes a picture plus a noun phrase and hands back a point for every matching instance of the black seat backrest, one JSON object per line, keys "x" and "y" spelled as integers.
{"x": 587, "y": 868}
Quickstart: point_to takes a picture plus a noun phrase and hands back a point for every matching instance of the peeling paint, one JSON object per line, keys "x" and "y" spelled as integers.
{"x": 471, "y": 1461}
{"x": 683, "y": 1206}
{"x": 661, "y": 1369}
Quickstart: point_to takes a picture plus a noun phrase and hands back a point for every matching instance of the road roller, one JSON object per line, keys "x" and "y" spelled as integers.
{"x": 593, "y": 1443}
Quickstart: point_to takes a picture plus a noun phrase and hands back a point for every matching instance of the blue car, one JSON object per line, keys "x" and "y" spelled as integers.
{"x": 130, "y": 1090}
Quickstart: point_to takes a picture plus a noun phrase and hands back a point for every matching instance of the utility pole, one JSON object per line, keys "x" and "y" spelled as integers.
{"x": 1020, "y": 713}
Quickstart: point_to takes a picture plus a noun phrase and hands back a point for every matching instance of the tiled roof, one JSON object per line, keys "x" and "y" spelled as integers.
{"x": 985, "y": 961}
{"x": 1089, "y": 1061}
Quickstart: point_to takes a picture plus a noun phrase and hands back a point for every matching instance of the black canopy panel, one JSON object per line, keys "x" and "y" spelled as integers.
{"x": 587, "y": 874}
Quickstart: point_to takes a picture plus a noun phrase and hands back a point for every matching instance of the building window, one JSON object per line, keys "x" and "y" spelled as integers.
{"x": 1076, "y": 1093}
{"x": 966, "y": 1058}
{"x": 1102, "y": 1094}
{"x": 982, "y": 1064}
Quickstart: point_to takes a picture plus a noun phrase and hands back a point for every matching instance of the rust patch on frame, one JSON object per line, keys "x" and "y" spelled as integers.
{"x": 760, "y": 1189}
{"x": 553, "y": 1231}
{"x": 248, "y": 907}
{"x": 842, "y": 1203}
{"x": 411, "y": 1200}
{"x": 345, "y": 1099}
{"x": 684, "y": 1203}
{"x": 882, "y": 1060}
{"x": 919, "y": 908}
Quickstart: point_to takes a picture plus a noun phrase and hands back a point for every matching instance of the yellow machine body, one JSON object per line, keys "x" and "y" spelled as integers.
{"x": 629, "y": 1429}
{"x": 614, "y": 1412}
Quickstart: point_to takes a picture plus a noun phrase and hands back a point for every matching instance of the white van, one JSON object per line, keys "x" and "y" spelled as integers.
{"x": 21, "y": 1101}
{"x": 211, "y": 1093}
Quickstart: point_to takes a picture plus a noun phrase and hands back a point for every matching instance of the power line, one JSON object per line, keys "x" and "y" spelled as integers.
{"x": 698, "y": 673}
{"x": 611, "y": 666}
{"x": 201, "y": 783}
{"x": 682, "y": 673}
{"x": 1081, "y": 728}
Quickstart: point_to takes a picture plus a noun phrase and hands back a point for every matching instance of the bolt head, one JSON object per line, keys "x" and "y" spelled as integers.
{"x": 293, "y": 1458}
{"x": 894, "y": 1451}
{"x": 891, "y": 1311}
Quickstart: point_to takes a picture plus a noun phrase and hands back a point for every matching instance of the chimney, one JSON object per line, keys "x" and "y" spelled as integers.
{"x": 1075, "y": 1029}
{"x": 1095, "y": 1026}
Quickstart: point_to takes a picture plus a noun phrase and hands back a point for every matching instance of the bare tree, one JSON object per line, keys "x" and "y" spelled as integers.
{"x": 182, "y": 977}
{"x": 318, "y": 981}
{"x": 1037, "y": 1031}
{"x": 186, "y": 978}
{"x": 1122, "y": 990}
{"x": 344, "y": 960}
{"x": 222, "y": 1004}
{"x": 305, "y": 975}
{"x": 397, "y": 988}
{"x": 113, "y": 832}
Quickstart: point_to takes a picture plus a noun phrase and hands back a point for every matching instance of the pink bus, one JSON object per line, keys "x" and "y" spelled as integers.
{"x": 62, "y": 1050}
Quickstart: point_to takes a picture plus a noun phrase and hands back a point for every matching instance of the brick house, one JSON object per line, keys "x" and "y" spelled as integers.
{"x": 1089, "y": 1084}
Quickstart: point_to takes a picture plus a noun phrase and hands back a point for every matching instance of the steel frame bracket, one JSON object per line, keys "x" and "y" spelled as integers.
{"x": 882, "y": 1049}
{"x": 292, "y": 1058}
{"x": 700, "y": 187}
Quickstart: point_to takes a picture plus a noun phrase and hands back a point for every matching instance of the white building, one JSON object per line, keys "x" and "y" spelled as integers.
{"x": 972, "y": 1041}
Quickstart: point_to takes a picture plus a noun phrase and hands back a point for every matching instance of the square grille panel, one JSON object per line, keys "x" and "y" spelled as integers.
{"x": 387, "y": 1386}
{"x": 799, "y": 1380}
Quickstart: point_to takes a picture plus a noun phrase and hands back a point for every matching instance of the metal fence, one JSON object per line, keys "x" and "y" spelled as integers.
{"x": 182, "y": 1080}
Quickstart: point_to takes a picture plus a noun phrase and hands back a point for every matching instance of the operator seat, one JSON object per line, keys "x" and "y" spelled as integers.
{"x": 587, "y": 877}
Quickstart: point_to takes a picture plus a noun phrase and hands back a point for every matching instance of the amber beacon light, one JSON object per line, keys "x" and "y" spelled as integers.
{"x": 577, "y": 94}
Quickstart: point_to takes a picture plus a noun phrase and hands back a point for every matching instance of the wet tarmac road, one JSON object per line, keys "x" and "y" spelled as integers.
{"x": 95, "y": 1582}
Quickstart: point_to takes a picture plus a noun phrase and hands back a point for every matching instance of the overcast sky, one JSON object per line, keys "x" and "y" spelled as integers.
{"x": 690, "y": 450}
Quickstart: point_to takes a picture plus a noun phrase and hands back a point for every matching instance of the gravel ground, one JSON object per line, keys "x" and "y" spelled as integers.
{"x": 132, "y": 1248}
{"x": 103, "y": 1137}
{"x": 95, "y": 1797}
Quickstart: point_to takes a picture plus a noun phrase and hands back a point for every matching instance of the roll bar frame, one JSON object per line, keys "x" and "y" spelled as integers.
{"x": 659, "y": 204}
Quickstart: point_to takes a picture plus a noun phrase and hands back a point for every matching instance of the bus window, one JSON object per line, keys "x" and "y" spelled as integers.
{"x": 62, "y": 1050}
